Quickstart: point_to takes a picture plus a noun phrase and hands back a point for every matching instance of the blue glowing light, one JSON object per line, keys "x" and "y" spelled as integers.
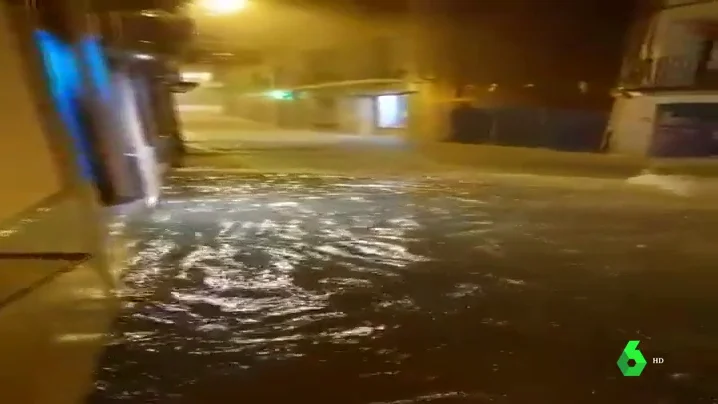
{"x": 97, "y": 63}
{"x": 65, "y": 84}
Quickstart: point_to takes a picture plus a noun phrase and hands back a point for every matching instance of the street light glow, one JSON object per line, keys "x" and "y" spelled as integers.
{"x": 281, "y": 95}
{"x": 222, "y": 7}
{"x": 197, "y": 77}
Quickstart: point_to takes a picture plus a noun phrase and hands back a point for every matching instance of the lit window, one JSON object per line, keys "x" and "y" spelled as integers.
{"x": 391, "y": 111}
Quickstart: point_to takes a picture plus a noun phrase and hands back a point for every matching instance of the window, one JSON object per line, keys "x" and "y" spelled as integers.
{"x": 392, "y": 111}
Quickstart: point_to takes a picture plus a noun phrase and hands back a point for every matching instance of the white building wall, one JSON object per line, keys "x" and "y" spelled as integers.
{"x": 673, "y": 35}
{"x": 632, "y": 125}
{"x": 56, "y": 312}
{"x": 633, "y": 119}
{"x": 27, "y": 168}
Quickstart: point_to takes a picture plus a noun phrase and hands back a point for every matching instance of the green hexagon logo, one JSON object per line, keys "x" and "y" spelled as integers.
{"x": 631, "y": 353}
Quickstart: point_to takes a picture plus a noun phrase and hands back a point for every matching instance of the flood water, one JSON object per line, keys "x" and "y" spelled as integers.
{"x": 300, "y": 288}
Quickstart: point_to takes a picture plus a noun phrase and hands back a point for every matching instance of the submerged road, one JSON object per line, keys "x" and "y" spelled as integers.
{"x": 291, "y": 288}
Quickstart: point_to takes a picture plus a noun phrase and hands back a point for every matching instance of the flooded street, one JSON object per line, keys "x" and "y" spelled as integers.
{"x": 296, "y": 288}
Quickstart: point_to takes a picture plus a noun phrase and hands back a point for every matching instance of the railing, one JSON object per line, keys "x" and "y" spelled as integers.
{"x": 664, "y": 72}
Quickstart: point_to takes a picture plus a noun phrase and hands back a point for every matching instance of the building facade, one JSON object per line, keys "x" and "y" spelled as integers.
{"x": 344, "y": 70}
{"x": 666, "y": 104}
{"x": 344, "y": 74}
{"x": 406, "y": 72}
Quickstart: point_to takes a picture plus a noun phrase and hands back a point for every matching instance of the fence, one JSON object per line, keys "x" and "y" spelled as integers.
{"x": 565, "y": 130}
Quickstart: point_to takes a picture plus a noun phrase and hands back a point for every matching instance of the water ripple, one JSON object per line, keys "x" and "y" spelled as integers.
{"x": 273, "y": 289}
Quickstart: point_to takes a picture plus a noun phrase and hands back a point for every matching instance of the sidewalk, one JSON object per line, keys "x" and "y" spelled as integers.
{"x": 701, "y": 168}
{"x": 532, "y": 161}
{"x": 685, "y": 177}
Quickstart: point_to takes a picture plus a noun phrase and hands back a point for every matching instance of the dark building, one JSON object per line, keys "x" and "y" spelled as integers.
{"x": 550, "y": 45}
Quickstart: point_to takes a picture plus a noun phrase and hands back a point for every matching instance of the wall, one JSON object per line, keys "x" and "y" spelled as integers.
{"x": 56, "y": 305}
{"x": 673, "y": 37}
{"x": 634, "y": 119}
{"x": 39, "y": 168}
{"x": 365, "y": 115}
{"x": 203, "y": 98}
{"x": 329, "y": 48}
{"x": 430, "y": 111}
{"x": 351, "y": 115}
{"x": 326, "y": 48}
{"x": 23, "y": 140}
{"x": 440, "y": 55}
{"x": 631, "y": 125}
{"x": 342, "y": 48}
{"x": 563, "y": 130}
{"x": 417, "y": 47}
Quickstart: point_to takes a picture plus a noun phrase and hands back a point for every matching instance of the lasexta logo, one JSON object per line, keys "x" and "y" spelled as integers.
{"x": 631, "y": 362}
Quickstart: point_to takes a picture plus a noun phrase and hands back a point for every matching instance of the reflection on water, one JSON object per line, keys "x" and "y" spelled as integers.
{"x": 274, "y": 289}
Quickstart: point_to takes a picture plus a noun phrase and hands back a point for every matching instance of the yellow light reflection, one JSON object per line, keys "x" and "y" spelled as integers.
{"x": 222, "y": 7}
